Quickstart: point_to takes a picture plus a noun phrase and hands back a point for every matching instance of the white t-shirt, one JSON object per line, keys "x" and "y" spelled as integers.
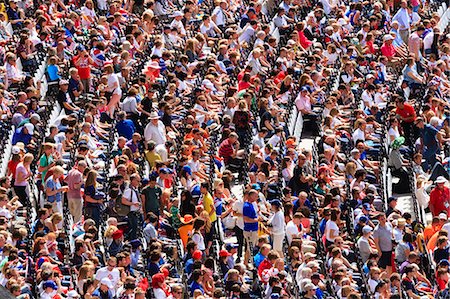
{"x": 159, "y": 293}
{"x": 358, "y": 134}
{"x": 238, "y": 207}
{"x": 331, "y": 225}
{"x": 112, "y": 79}
{"x": 131, "y": 195}
{"x": 199, "y": 240}
{"x": 88, "y": 13}
{"x": 220, "y": 16}
{"x": 278, "y": 224}
{"x": 208, "y": 30}
{"x": 394, "y": 132}
{"x": 200, "y": 117}
{"x": 113, "y": 275}
{"x": 291, "y": 230}
{"x": 428, "y": 41}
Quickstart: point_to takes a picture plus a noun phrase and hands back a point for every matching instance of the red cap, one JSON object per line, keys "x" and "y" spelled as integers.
{"x": 224, "y": 253}
{"x": 197, "y": 255}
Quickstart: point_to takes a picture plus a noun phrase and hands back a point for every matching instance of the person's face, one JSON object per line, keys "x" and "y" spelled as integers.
{"x": 111, "y": 265}
{"x": 301, "y": 160}
{"x": 440, "y": 186}
{"x": 177, "y": 293}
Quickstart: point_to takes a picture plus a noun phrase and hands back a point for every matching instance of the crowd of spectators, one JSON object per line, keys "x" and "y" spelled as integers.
{"x": 159, "y": 149}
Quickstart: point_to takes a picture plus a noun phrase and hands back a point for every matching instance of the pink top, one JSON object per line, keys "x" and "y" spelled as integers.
{"x": 20, "y": 169}
{"x": 304, "y": 41}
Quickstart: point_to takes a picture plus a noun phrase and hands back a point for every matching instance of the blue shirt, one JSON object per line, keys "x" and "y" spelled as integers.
{"x": 250, "y": 212}
{"x": 125, "y": 128}
{"x": 258, "y": 259}
{"x": 53, "y": 185}
{"x": 19, "y": 136}
{"x": 52, "y": 71}
{"x": 429, "y": 137}
{"x": 196, "y": 286}
{"x": 188, "y": 265}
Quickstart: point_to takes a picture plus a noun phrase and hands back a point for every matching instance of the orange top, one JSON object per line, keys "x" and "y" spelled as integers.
{"x": 184, "y": 233}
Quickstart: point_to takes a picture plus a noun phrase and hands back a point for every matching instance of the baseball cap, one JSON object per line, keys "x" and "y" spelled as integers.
{"x": 366, "y": 229}
{"x": 231, "y": 246}
{"x": 15, "y": 150}
{"x": 197, "y": 255}
{"x": 367, "y": 206}
{"x": 224, "y": 253}
{"x": 50, "y": 284}
{"x": 30, "y": 128}
{"x": 363, "y": 219}
{"x": 443, "y": 216}
{"x": 256, "y": 187}
{"x": 276, "y": 203}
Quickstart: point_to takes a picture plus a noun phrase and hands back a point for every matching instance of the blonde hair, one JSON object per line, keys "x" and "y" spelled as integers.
{"x": 28, "y": 158}
{"x": 205, "y": 216}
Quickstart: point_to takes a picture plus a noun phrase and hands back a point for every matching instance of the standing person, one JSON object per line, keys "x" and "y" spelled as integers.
{"x": 382, "y": 235}
{"x": 208, "y": 205}
{"x": 113, "y": 89}
{"x": 83, "y": 63}
{"x": 131, "y": 198}
{"x": 404, "y": 20}
{"x": 46, "y": 161}
{"x": 251, "y": 220}
{"x": 110, "y": 272}
{"x": 440, "y": 197}
{"x": 241, "y": 121}
{"x": 150, "y": 196}
{"x": 238, "y": 207}
{"x": 92, "y": 198}
{"x": 407, "y": 115}
{"x": 278, "y": 226}
{"x": 431, "y": 139}
{"x": 54, "y": 190}
{"x": 21, "y": 177}
{"x": 74, "y": 180}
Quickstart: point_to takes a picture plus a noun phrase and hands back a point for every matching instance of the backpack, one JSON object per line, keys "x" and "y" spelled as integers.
{"x": 120, "y": 208}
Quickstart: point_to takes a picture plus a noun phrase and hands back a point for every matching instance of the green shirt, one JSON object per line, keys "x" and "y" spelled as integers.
{"x": 152, "y": 195}
{"x": 45, "y": 161}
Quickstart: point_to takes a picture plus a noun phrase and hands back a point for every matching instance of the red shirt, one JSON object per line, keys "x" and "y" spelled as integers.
{"x": 407, "y": 111}
{"x": 84, "y": 68}
{"x": 440, "y": 200}
{"x": 243, "y": 85}
{"x": 265, "y": 264}
{"x": 388, "y": 51}
{"x": 226, "y": 150}
{"x": 304, "y": 41}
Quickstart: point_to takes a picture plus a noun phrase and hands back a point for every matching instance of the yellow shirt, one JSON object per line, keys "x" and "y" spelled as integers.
{"x": 152, "y": 157}
{"x": 208, "y": 201}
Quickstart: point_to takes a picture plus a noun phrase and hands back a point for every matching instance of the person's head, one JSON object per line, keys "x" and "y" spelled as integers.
{"x": 419, "y": 122}
{"x": 58, "y": 172}
{"x": 91, "y": 178}
{"x": 135, "y": 180}
{"x": 177, "y": 291}
{"x": 204, "y": 187}
{"x": 382, "y": 218}
{"x": 27, "y": 159}
{"x": 440, "y": 182}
